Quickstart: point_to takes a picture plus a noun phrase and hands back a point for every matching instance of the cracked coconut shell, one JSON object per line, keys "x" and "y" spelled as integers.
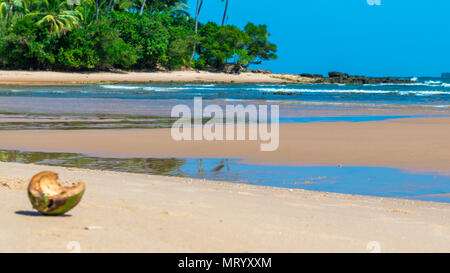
{"x": 49, "y": 197}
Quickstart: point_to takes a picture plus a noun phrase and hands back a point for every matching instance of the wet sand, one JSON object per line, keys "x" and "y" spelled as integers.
{"x": 71, "y": 78}
{"x": 419, "y": 144}
{"x": 16, "y": 106}
{"x": 123, "y": 212}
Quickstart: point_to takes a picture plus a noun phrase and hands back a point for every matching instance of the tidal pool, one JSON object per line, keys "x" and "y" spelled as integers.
{"x": 374, "y": 181}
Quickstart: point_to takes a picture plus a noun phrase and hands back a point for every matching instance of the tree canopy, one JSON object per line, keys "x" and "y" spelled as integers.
{"x": 123, "y": 34}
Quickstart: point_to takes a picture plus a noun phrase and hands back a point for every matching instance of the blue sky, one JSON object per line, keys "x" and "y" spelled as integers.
{"x": 396, "y": 38}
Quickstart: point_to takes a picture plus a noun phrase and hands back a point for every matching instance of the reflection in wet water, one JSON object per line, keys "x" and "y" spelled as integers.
{"x": 41, "y": 121}
{"x": 375, "y": 181}
{"x": 33, "y": 121}
{"x": 163, "y": 166}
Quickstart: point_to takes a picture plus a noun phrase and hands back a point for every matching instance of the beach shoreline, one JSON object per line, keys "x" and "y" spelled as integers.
{"x": 47, "y": 78}
{"x": 165, "y": 127}
{"x": 419, "y": 144}
{"x": 123, "y": 212}
{"x": 129, "y": 212}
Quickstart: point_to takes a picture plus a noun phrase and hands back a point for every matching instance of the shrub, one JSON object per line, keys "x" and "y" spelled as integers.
{"x": 146, "y": 33}
{"x": 26, "y": 46}
{"x": 125, "y": 39}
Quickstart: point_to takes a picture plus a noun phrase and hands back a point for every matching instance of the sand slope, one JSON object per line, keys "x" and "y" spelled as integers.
{"x": 140, "y": 213}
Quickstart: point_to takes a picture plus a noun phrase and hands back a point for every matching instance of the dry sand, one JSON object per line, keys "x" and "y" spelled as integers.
{"x": 68, "y": 78}
{"x": 415, "y": 143}
{"x": 142, "y": 213}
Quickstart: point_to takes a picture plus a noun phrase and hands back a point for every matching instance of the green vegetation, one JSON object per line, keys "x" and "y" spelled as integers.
{"x": 160, "y": 166}
{"x": 123, "y": 34}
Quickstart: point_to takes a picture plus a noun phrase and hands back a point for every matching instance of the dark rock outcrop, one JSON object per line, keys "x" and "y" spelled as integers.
{"x": 344, "y": 78}
{"x": 306, "y": 75}
{"x": 261, "y": 71}
{"x": 338, "y": 75}
{"x": 233, "y": 69}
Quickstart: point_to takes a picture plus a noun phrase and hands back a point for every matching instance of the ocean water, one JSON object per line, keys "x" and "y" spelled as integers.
{"x": 427, "y": 93}
{"x": 148, "y": 106}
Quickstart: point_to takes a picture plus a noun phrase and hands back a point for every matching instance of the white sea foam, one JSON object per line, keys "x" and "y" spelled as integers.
{"x": 230, "y": 100}
{"x": 200, "y": 85}
{"x": 426, "y": 93}
{"x": 433, "y": 82}
{"x": 266, "y": 85}
{"x": 358, "y": 104}
{"x": 164, "y": 89}
{"x": 55, "y": 92}
{"x": 287, "y": 90}
{"x": 123, "y": 87}
{"x": 426, "y": 83}
{"x": 436, "y": 106}
{"x": 396, "y": 84}
{"x": 356, "y": 91}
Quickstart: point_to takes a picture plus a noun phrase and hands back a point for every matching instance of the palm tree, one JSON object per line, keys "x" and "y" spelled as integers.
{"x": 225, "y": 12}
{"x": 197, "y": 10}
{"x": 142, "y": 7}
{"x": 57, "y": 15}
{"x": 170, "y": 6}
{"x": 179, "y": 9}
{"x": 122, "y": 5}
{"x": 88, "y": 9}
{"x": 13, "y": 9}
{"x": 9, "y": 7}
{"x": 200, "y": 7}
{"x": 110, "y": 6}
{"x": 97, "y": 9}
{"x": 6, "y": 10}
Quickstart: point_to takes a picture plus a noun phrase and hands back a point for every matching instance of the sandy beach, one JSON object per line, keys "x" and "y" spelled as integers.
{"x": 412, "y": 143}
{"x": 176, "y": 127}
{"x": 125, "y": 212}
{"x": 140, "y": 213}
{"x": 71, "y": 78}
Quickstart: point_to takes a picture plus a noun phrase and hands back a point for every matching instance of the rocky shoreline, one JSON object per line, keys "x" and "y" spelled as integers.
{"x": 333, "y": 78}
{"x": 344, "y": 78}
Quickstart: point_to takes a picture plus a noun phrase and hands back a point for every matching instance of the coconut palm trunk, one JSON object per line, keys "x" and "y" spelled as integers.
{"x": 142, "y": 7}
{"x": 200, "y": 7}
{"x": 197, "y": 10}
{"x": 8, "y": 17}
{"x": 225, "y": 13}
{"x": 96, "y": 9}
{"x": 110, "y": 5}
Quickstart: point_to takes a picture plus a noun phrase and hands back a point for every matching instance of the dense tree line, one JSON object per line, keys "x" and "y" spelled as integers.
{"x": 123, "y": 34}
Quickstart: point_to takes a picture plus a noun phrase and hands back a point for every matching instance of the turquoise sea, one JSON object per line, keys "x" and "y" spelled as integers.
{"x": 428, "y": 93}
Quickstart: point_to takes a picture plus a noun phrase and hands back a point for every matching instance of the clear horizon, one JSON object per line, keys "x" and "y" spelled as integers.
{"x": 402, "y": 38}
